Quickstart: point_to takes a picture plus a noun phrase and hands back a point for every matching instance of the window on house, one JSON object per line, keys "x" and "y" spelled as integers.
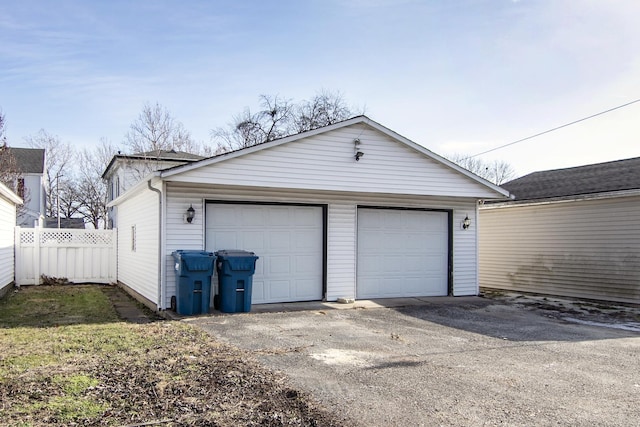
{"x": 117, "y": 186}
{"x": 133, "y": 238}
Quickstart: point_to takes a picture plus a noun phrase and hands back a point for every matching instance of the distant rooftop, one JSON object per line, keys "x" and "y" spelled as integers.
{"x": 28, "y": 160}
{"x": 166, "y": 155}
{"x": 590, "y": 179}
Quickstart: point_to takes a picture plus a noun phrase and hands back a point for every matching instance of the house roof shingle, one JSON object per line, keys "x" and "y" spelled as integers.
{"x": 166, "y": 155}
{"x": 28, "y": 160}
{"x": 590, "y": 179}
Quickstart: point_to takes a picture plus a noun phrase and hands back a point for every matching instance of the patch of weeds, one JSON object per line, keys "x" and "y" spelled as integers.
{"x": 71, "y": 408}
{"x": 44, "y": 306}
{"x": 12, "y": 365}
{"x": 75, "y": 385}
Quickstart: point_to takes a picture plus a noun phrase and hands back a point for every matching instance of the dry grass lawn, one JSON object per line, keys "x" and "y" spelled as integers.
{"x": 67, "y": 359}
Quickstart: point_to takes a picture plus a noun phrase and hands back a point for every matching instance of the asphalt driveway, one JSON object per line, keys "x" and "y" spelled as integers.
{"x": 450, "y": 361}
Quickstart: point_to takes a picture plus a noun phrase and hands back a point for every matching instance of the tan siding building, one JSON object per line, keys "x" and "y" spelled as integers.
{"x": 583, "y": 245}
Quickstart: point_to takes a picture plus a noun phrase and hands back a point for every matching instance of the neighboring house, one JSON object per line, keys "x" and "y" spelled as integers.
{"x": 8, "y": 202}
{"x": 32, "y": 185}
{"x": 124, "y": 171}
{"x": 350, "y": 210}
{"x": 571, "y": 232}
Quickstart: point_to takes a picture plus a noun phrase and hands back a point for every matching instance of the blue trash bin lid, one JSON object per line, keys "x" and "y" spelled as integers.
{"x": 234, "y": 253}
{"x": 237, "y": 259}
{"x": 195, "y": 260}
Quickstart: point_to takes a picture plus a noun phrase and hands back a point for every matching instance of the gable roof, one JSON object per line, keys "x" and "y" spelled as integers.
{"x": 605, "y": 177}
{"x": 161, "y": 155}
{"x": 349, "y": 122}
{"x": 28, "y": 160}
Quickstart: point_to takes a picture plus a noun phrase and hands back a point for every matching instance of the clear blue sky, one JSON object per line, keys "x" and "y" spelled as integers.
{"x": 454, "y": 76}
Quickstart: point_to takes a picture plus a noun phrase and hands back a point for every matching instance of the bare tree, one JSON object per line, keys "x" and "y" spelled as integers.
{"x": 279, "y": 117}
{"x": 9, "y": 171}
{"x": 497, "y": 171}
{"x": 91, "y": 189}
{"x": 156, "y": 129}
{"x": 58, "y": 156}
{"x": 274, "y": 120}
{"x": 68, "y": 197}
{"x": 323, "y": 109}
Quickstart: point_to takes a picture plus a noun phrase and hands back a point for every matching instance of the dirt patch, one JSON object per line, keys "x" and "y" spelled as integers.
{"x": 115, "y": 373}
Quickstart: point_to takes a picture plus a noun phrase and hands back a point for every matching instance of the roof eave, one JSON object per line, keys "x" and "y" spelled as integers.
{"x": 10, "y": 195}
{"x": 564, "y": 199}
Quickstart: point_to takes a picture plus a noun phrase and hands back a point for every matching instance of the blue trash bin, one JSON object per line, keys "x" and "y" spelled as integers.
{"x": 193, "y": 281}
{"x": 235, "y": 279}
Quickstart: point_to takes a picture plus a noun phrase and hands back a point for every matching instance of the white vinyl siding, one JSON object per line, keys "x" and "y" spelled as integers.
{"x": 326, "y": 162}
{"x": 7, "y": 236}
{"x": 585, "y": 249}
{"x": 138, "y": 269}
{"x": 341, "y": 230}
{"x": 341, "y": 250}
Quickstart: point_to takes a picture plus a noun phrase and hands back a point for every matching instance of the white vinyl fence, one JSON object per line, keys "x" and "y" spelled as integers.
{"x": 80, "y": 256}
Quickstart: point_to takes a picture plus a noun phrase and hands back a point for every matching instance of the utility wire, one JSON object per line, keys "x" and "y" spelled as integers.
{"x": 554, "y": 129}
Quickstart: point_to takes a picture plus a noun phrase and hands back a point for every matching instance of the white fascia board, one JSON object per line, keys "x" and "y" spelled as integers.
{"x": 135, "y": 189}
{"x": 10, "y": 195}
{"x": 566, "y": 199}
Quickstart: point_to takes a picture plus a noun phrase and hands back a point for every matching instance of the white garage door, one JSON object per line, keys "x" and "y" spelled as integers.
{"x": 288, "y": 240}
{"x": 401, "y": 253}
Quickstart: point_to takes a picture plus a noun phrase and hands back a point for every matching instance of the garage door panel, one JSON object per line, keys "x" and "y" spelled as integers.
{"x": 305, "y": 216}
{"x": 279, "y": 265}
{"x": 226, "y": 215}
{"x": 306, "y": 239}
{"x": 252, "y": 217}
{"x": 301, "y": 289}
{"x": 252, "y": 239}
{"x": 257, "y": 290}
{"x": 370, "y": 264}
{"x": 279, "y": 289}
{"x": 288, "y": 240}
{"x": 369, "y": 287}
{"x": 304, "y": 263}
{"x": 413, "y": 286}
{"x": 402, "y": 253}
{"x": 279, "y": 217}
{"x": 280, "y": 241}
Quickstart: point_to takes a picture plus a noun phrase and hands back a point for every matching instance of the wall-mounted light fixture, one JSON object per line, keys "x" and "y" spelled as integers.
{"x": 191, "y": 213}
{"x": 356, "y": 147}
{"x": 466, "y": 223}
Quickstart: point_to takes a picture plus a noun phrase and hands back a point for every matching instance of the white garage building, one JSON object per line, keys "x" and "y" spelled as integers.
{"x": 351, "y": 210}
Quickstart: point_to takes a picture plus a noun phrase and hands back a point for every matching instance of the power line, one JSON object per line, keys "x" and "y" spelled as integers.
{"x": 555, "y": 128}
